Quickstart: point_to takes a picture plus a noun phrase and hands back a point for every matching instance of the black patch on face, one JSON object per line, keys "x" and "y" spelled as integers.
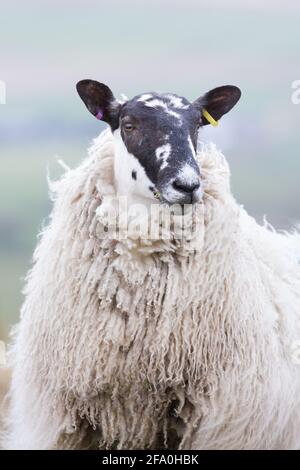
{"x": 133, "y": 174}
{"x": 145, "y": 128}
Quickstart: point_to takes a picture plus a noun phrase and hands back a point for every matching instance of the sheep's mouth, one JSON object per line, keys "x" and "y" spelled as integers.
{"x": 182, "y": 199}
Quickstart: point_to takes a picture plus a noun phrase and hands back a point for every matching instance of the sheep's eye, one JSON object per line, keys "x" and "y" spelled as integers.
{"x": 128, "y": 127}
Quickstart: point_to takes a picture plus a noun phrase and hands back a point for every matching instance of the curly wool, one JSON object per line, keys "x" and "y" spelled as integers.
{"x": 127, "y": 344}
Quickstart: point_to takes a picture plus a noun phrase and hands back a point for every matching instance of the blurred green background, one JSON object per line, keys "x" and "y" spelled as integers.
{"x": 187, "y": 47}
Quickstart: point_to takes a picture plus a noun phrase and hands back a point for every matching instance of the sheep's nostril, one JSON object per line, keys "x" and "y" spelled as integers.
{"x": 185, "y": 187}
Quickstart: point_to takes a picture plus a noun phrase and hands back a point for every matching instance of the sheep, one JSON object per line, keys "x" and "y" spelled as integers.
{"x": 130, "y": 342}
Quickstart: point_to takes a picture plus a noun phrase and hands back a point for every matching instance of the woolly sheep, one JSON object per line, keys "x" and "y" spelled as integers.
{"x": 130, "y": 342}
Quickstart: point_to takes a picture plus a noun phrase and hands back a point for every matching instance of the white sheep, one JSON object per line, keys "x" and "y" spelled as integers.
{"x": 133, "y": 342}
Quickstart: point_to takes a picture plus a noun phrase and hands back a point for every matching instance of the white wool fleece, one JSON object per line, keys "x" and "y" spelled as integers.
{"x": 127, "y": 344}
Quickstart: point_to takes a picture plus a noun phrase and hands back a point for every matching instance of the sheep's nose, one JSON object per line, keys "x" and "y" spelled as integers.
{"x": 185, "y": 187}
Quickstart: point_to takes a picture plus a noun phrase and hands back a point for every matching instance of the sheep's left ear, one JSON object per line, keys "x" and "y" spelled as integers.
{"x": 100, "y": 101}
{"x": 218, "y": 102}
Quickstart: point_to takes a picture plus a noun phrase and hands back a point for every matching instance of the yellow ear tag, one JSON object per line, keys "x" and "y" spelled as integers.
{"x": 209, "y": 118}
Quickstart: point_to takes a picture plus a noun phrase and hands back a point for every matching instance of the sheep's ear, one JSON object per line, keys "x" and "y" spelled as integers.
{"x": 100, "y": 101}
{"x": 218, "y": 102}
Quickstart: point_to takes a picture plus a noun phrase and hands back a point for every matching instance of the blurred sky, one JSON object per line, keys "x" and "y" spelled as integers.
{"x": 181, "y": 46}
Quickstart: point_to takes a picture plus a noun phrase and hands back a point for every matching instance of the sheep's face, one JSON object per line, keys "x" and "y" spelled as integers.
{"x": 156, "y": 139}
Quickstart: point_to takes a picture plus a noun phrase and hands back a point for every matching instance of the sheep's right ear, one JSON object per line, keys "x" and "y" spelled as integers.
{"x": 218, "y": 102}
{"x": 100, "y": 101}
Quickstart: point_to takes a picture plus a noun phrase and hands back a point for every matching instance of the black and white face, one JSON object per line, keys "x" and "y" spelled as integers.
{"x": 156, "y": 138}
{"x": 160, "y": 132}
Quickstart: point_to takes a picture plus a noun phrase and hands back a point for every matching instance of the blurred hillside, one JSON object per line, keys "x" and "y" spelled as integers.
{"x": 187, "y": 47}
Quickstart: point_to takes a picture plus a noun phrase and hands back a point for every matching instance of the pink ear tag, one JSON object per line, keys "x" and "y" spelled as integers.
{"x": 99, "y": 115}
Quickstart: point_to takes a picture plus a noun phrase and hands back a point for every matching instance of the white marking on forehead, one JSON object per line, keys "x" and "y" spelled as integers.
{"x": 177, "y": 102}
{"x": 191, "y": 146}
{"x": 162, "y": 153}
{"x": 123, "y": 98}
{"x": 145, "y": 97}
{"x": 157, "y": 103}
{"x": 173, "y": 113}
